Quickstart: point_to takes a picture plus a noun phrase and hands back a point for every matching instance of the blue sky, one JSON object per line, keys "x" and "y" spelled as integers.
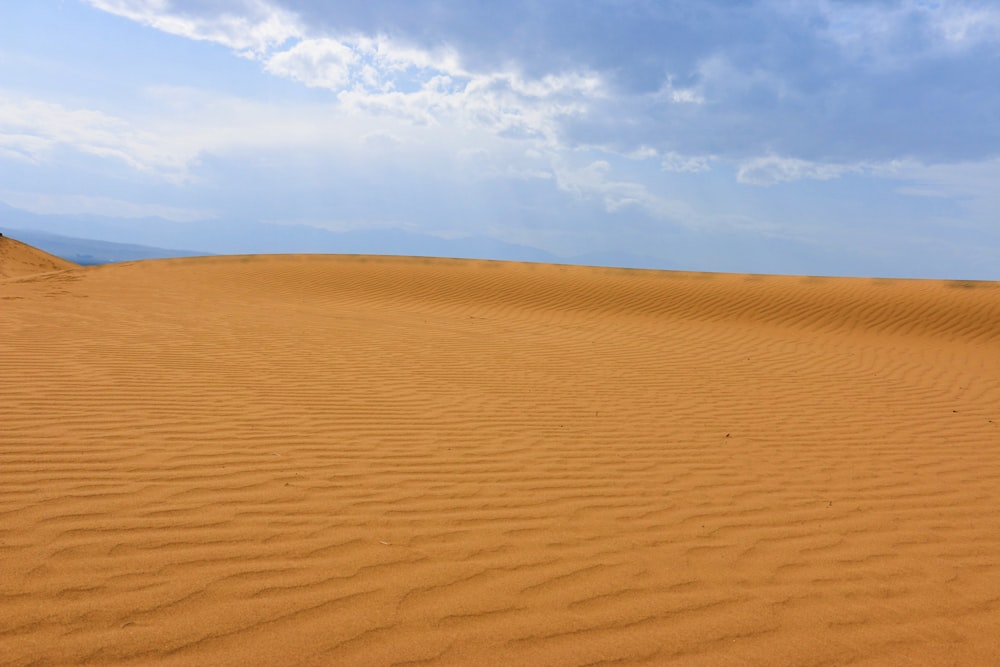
{"x": 849, "y": 137}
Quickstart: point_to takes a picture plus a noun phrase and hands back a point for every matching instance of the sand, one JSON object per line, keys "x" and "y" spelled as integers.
{"x": 21, "y": 259}
{"x": 317, "y": 460}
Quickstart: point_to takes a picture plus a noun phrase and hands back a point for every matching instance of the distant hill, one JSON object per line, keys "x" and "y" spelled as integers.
{"x": 91, "y": 251}
{"x": 93, "y": 239}
{"x": 118, "y": 240}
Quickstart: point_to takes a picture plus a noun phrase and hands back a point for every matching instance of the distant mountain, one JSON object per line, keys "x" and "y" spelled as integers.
{"x": 89, "y": 239}
{"x": 96, "y": 239}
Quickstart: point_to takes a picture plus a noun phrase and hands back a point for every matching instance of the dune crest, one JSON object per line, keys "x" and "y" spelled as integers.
{"x": 379, "y": 460}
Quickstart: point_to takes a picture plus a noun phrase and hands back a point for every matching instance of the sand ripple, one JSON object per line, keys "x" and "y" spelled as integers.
{"x": 361, "y": 460}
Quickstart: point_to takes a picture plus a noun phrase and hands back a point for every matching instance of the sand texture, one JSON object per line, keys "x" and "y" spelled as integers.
{"x": 319, "y": 460}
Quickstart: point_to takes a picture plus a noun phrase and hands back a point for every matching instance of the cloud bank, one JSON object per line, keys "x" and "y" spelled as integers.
{"x": 836, "y": 83}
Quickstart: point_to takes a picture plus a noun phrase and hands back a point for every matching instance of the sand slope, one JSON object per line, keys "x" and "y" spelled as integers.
{"x": 20, "y": 259}
{"x": 360, "y": 460}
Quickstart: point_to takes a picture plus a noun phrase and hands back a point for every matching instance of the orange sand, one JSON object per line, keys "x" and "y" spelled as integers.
{"x": 368, "y": 460}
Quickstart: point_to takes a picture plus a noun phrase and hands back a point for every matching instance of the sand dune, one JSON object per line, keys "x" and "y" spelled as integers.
{"x": 368, "y": 460}
{"x": 20, "y": 259}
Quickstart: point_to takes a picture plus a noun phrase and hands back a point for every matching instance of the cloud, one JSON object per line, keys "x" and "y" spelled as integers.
{"x": 191, "y": 128}
{"x": 388, "y": 56}
{"x": 23, "y": 147}
{"x": 593, "y": 181}
{"x": 376, "y": 74}
{"x": 829, "y": 82}
{"x": 969, "y": 26}
{"x": 33, "y": 130}
{"x": 772, "y": 169}
{"x": 318, "y": 63}
{"x": 250, "y": 27}
{"x": 188, "y": 127}
{"x": 892, "y": 35}
{"x": 677, "y": 163}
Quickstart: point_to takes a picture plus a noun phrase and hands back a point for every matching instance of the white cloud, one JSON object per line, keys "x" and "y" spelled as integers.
{"x": 318, "y": 63}
{"x": 255, "y": 29}
{"x": 33, "y": 129}
{"x": 641, "y": 153}
{"x": 23, "y": 147}
{"x": 390, "y": 55}
{"x": 503, "y": 104}
{"x": 191, "y": 125}
{"x": 691, "y": 95}
{"x": 677, "y": 163}
{"x": 773, "y": 169}
{"x": 382, "y": 76}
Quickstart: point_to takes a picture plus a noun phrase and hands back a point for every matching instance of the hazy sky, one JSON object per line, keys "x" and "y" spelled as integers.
{"x": 866, "y": 131}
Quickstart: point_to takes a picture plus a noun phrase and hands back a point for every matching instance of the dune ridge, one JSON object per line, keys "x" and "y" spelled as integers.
{"x": 381, "y": 460}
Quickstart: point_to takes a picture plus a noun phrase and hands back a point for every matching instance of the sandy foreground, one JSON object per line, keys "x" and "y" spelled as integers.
{"x": 369, "y": 460}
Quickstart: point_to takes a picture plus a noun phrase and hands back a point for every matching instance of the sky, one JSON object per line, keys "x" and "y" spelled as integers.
{"x": 824, "y": 137}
